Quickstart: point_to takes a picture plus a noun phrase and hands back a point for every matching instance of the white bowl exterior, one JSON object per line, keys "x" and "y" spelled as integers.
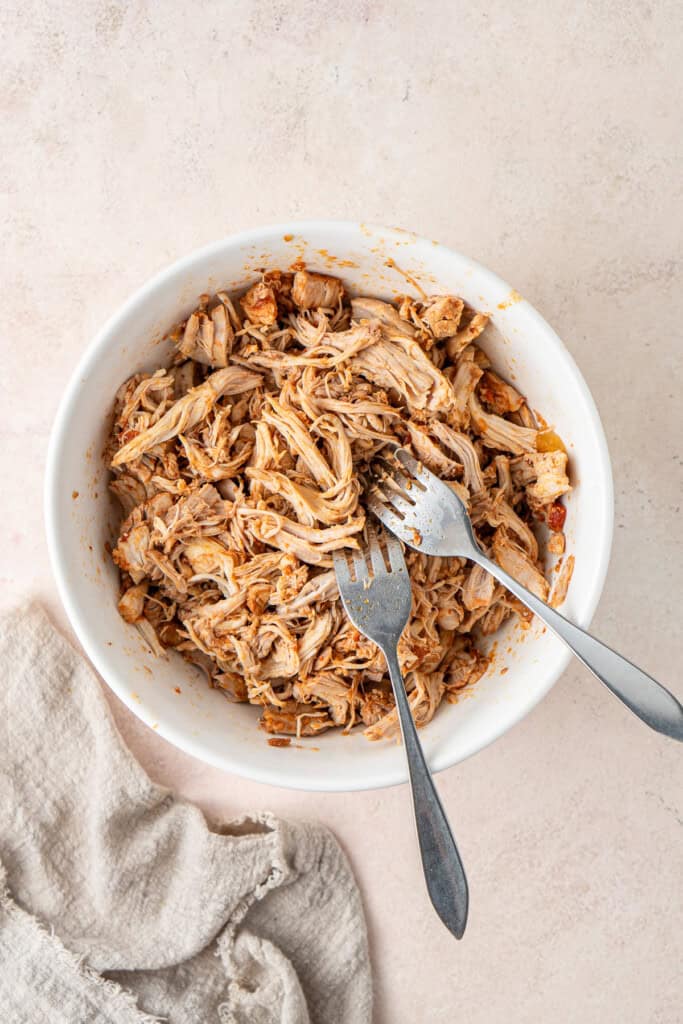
{"x": 200, "y": 721}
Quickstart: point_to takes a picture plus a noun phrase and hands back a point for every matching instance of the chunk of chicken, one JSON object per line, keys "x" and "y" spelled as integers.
{"x": 132, "y": 603}
{"x": 324, "y": 688}
{"x": 402, "y": 366}
{"x": 431, "y": 455}
{"x": 478, "y": 589}
{"x": 462, "y": 446}
{"x": 425, "y": 697}
{"x": 260, "y": 305}
{"x": 208, "y": 338}
{"x": 465, "y": 666}
{"x": 496, "y": 511}
{"x": 300, "y": 441}
{"x": 469, "y": 330}
{"x": 442, "y": 314}
{"x": 319, "y": 590}
{"x": 500, "y": 396}
{"x": 514, "y": 560}
{"x": 497, "y": 432}
{"x": 295, "y": 719}
{"x": 129, "y": 490}
{"x": 311, "y": 291}
{"x": 543, "y": 475}
{"x": 465, "y": 381}
{"x": 562, "y": 581}
{"x": 374, "y": 309}
{"x": 494, "y": 618}
{"x": 556, "y": 544}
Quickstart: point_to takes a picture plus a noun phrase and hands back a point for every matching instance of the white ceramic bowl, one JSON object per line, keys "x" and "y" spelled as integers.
{"x": 200, "y": 721}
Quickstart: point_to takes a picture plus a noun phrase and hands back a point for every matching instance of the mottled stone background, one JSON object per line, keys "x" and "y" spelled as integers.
{"x": 543, "y": 139}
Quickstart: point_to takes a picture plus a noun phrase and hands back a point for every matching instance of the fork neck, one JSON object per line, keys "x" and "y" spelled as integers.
{"x": 462, "y": 548}
{"x": 390, "y": 652}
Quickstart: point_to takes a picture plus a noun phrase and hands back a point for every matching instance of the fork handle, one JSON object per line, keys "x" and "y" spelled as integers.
{"x": 645, "y": 697}
{"x": 443, "y": 870}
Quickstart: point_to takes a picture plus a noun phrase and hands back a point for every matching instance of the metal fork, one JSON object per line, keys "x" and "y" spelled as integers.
{"x": 378, "y": 602}
{"x": 429, "y": 516}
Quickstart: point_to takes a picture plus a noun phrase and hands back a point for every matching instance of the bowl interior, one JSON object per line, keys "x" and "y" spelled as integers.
{"x": 171, "y": 696}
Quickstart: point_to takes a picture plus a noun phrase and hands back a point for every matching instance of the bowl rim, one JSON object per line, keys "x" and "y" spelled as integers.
{"x": 58, "y": 435}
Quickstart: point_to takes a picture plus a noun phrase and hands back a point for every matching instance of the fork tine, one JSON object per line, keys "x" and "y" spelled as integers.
{"x": 429, "y": 482}
{"x": 360, "y": 565}
{"x": 399, "y": 503}
{"x": 341, "y": 567}
{"x": 383, "y": 512}
{"x": 422, "y": 475}
{"x": 395, "y": 553}
{"x": 393, "y": 475}
{"x": 376, "y": 556}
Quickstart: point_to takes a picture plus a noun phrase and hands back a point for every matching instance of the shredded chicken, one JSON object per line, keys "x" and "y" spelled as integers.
{"x": 239, "y": 468}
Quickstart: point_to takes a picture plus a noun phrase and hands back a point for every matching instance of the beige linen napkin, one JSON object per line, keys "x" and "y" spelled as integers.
{"x": 120, "y": 905}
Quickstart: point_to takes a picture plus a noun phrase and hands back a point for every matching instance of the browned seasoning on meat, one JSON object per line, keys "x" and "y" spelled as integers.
{"x": 557, "y": 514}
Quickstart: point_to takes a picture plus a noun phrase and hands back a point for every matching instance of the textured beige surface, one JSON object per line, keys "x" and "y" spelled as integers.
{"x": 546, "y": 144}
